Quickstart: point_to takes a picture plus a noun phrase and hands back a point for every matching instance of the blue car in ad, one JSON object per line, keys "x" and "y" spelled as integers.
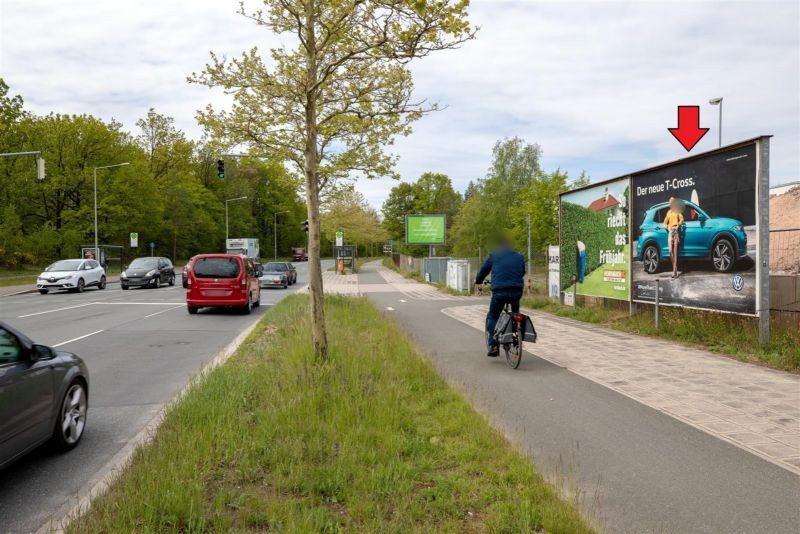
{"x": 720, "y": 240}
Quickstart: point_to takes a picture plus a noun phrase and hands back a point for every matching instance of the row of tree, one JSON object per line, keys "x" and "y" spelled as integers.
{"x": 499, "y": 204}
{"x": 169, "y": 193}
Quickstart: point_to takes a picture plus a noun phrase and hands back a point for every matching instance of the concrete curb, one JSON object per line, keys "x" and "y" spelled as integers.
{"x": 108, "y": 474}
{"x": 34, "y": 290}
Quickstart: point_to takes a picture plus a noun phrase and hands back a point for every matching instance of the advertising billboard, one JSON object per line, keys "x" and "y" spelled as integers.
{"x": 594, "y": 240}
{"x": 425, "y": 229}
{"x": 709, "y": 202}
{"x": 553, "y": 266}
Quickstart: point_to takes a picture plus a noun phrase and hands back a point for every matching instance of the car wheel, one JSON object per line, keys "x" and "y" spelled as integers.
{"x": 124, "y": 287}
{"x": 171, "y": 280}
{"x": 157, "y": 282}
{"x": 257, "y": 303}
{"x": 285, "y": 285}
{"x": 102, "y": 282}
{"x": 248, "y": 307}
{"x": 191, "y": 309}
{"x": 71, "y": 419}
{"x": 44, "y": 291}
{"x": 722, "y": 255}
{"x": 650, "y": 259}
{"x": 81, "y": 286}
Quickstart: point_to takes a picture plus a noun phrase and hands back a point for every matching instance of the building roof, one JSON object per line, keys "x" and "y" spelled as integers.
{"x": 603, "y": 203}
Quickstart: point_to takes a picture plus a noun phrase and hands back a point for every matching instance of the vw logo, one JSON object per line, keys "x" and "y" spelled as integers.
{"x": 738, "y": 282}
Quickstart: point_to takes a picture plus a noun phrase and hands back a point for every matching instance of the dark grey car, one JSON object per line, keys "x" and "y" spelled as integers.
{"x": 44, "y": 396}
{"x": 148, "y": 272}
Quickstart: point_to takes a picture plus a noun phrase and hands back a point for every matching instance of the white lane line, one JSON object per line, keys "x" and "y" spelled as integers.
{"x": 164, "y": 311}
{"x": 76, "y": 339}
{"x": 138, "y": 303}
{"x": 55, "y": 310}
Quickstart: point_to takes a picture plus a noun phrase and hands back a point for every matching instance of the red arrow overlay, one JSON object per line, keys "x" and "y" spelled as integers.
{"x": 688, "y": 132}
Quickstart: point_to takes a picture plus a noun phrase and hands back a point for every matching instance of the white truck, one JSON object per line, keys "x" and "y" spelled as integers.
{"x": 246, "y": 245}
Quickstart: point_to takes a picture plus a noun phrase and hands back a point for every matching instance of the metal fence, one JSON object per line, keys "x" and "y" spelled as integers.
{"x": 784, "y": 251}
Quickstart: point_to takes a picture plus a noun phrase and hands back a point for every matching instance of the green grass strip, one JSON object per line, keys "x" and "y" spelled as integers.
{"x": 371, "y": 440}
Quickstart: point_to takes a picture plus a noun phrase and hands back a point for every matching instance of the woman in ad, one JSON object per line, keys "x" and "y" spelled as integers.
{"x": 673, "y": 222}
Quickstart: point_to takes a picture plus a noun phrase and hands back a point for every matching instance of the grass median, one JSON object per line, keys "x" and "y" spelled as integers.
{"x": 371, "y": 440}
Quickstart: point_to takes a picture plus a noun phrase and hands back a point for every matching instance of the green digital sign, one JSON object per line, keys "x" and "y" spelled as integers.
{"x": 425, "y": 229}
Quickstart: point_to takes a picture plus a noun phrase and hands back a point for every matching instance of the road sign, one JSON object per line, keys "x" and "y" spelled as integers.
{"x": 391, "y": 242}
{"x": 134, "y": 239}
{"x": 339, "y": 239}
{"x": 152, "y": 247}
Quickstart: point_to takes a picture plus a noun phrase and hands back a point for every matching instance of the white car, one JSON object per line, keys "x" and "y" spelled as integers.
{"x": 72, "y": 275}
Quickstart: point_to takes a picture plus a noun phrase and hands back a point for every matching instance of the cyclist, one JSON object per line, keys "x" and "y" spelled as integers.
{"x": 507, "y": 267}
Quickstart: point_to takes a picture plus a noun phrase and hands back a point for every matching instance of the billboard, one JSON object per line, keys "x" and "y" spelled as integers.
{"x": 425, "y": 229}
{"x": 594, "y": 240}
{"x": 715, "y": 195}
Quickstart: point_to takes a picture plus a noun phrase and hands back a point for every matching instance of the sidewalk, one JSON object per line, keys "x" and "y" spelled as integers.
{"x": 678, "y": 436}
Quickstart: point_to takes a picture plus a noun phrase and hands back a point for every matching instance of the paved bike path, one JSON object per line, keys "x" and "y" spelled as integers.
{"x": 638, "y": 469}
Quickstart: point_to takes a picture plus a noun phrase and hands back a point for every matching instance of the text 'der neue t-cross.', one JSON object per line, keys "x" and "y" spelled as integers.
{"x": 226, "y": 280}
{"x": 720, "y": 240}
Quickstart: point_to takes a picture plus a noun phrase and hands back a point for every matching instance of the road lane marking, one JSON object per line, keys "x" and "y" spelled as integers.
{"x": 55, "y": 310}
{"x": 164, "y": 311}
{"x": 139, "y": 303}
{"x": 76, "y": 339}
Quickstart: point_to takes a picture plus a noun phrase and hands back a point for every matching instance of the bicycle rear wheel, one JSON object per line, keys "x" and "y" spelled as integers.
{"x": 513, "y": 353}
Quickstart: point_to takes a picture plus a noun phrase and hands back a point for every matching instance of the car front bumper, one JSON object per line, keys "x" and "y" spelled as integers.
{"x": 133, "y": 282}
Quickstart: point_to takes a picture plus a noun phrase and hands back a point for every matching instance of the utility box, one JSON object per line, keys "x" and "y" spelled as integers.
{"x": 435, "y": 270}
{"x": 458, "y": 275}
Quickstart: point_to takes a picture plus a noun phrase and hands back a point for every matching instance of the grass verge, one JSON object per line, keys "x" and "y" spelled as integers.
{"x": 727, "y": 334}
{"x": 371, "y": 440}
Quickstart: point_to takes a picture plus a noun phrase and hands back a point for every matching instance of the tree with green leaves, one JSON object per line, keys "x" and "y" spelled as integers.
{"x": 333, "y": 101}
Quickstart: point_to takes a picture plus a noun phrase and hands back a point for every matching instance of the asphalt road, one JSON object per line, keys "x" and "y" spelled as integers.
{"x": 141, "y": 347}
{"x": 637, "y": 469}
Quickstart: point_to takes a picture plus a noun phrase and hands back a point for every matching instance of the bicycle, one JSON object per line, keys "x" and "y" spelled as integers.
{"x": 511, "y": 331}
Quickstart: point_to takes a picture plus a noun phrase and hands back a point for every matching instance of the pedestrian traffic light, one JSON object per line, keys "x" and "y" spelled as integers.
{"x": 221, "y": 169}
{"x": 304, "y": 226}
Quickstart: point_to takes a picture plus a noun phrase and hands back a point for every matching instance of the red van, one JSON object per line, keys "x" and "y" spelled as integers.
{"x": 227, "y": 280}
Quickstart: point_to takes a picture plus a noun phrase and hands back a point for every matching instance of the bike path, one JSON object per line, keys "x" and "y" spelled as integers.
{"x": 636, "y": 468}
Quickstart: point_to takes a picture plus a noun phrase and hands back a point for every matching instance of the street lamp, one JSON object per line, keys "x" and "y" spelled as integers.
{"x": 96, "y": 244}
{"x": 718, "y": 102}
{"x": 226, "y": 214}
{"x": 275, "y": 231}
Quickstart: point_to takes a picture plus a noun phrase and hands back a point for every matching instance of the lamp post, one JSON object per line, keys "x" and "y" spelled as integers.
{"x": 96, "y": 243}
{"x": 718, "y": 102}
{"x": 275, "y": 232}
{"x": 226, "y": 213}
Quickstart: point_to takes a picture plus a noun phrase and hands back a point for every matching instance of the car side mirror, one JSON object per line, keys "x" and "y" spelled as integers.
{"x": 259, "y": 272}
{"x": 41, "y": 352}
{"x": 701, "y": 217}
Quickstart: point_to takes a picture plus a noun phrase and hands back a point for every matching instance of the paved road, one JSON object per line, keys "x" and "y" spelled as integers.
{"x": 639, "y": 469}
{"x": 141, "y": 349}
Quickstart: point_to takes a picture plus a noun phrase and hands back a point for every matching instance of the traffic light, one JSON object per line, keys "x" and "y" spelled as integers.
{"x": 304, "y": 226}
{"x": 221, "y": 169}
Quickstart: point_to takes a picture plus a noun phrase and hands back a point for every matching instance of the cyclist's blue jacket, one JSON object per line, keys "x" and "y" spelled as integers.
{"x": 508, "y": 271}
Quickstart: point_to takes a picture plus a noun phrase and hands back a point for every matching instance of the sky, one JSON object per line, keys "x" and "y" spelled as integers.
{"x": 595, "y": 84}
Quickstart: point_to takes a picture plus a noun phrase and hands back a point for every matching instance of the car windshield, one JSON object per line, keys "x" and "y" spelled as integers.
{"x": 64, "y": 265}
{"x": 216, "y": 268}
{"x": 273, "y": 266}
{"x": 143, "y": 263}
{"x": 298, "y": 250}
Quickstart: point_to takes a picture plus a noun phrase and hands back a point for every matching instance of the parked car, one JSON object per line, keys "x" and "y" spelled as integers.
{"x": 721, "y": 240}
{"x": 72, "y": 275}
{"x": 185, "y": 273}
{"x": 148, "y": 272}
{"x": 299, "y": 254}
{"x": 278, "y": 274}
{"x": 44, "y": 395}
{"x": 229, "y": 280}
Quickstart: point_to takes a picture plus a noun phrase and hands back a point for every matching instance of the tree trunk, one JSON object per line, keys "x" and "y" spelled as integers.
{"x": 319, "y": 336}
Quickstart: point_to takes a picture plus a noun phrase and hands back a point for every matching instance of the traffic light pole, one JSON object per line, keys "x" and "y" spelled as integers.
{"x": 39, "y": 160}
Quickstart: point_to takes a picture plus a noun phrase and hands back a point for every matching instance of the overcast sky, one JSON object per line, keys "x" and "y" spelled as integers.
{"x": 596, "y": 84}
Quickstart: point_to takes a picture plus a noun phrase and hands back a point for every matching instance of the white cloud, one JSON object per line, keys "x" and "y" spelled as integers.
{"x": 595, "y": 84}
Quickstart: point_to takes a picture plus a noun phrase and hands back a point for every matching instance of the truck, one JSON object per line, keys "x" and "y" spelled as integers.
{"x": 247, "y": 246}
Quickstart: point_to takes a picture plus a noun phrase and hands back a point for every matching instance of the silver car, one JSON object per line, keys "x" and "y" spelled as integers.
{"x": 44, "y": 396}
